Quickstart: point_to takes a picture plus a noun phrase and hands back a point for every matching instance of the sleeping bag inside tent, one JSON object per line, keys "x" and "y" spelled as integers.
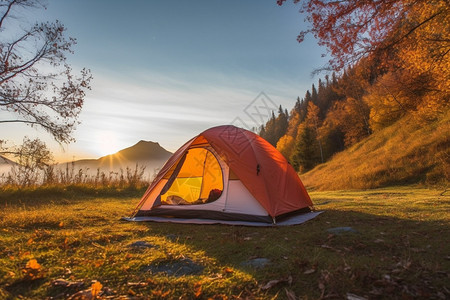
{"x": 226, "y": 175}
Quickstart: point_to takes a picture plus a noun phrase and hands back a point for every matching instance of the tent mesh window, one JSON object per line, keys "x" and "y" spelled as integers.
{"x": 198, "y": 181}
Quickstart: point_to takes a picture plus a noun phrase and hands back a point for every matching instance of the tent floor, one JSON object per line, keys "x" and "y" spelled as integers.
{"x": 294, "y": 220}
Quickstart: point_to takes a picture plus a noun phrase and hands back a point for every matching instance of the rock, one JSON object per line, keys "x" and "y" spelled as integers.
{"x": 177, "y": 268}
{"x": 339, "y": 230}
{"x": 172, "y": 237}
{"x": 142, "y": 244}
{"x": 256, "y": 262}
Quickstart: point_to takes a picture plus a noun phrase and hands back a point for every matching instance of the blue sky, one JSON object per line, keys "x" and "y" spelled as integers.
{"x": 166, "y": 70}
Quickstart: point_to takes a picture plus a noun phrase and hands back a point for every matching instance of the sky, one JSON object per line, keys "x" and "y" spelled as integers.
{"x": 164, "y": 71}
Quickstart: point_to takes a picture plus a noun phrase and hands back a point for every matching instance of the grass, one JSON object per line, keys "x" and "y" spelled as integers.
{"x": 395, "y": 247}
{"x": 407, "y": 152}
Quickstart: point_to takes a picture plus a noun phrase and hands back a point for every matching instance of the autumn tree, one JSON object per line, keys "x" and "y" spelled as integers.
{"x": 410, "y": 39}
{"x": 32, "y": 158}
{"x": 313, "y": 122}
{"x": 354, "y": 29}
{"x": 297, "y": 115}
{"x": 37, "y": 85}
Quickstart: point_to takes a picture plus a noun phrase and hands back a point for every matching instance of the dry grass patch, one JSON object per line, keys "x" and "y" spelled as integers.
{"x": 404, "y": 153}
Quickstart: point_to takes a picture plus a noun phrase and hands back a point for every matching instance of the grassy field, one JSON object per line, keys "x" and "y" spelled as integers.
{"x": 390, "y": 243}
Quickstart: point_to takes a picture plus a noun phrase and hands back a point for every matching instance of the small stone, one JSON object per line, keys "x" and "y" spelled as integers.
{"x": 339, "y": 230}
{"x": 256, "y": 262}
{"x": 142, "y": 244}
{"x": 176, "y": 268}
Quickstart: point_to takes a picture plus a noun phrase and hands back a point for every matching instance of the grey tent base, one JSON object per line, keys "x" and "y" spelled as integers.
{"x": 294, "y": 220}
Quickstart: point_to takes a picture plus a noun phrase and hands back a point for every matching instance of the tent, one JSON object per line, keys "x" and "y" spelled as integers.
{"x": 226, "y": 175}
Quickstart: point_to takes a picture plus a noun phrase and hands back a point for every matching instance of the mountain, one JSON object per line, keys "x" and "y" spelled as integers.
{"x": 141, "y": 151}
{"x": 143, "y": 154}
{"x": 5, "y": 165}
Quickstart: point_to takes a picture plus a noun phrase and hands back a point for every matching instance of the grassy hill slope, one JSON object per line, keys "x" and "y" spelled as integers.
{"x": 404, "y": 153}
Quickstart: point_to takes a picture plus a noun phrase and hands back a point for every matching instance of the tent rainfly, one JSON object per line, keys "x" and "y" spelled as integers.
{"x": 226, "y": 175}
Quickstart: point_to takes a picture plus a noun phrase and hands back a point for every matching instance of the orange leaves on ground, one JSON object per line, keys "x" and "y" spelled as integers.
{"x": 161, "y": 294}
{"x": 198, "y": 289}
{"x": 99, "y": 263}
{"x": 33, "y": 264}
{"x": 96, "y": 288}
{"x": 32, "y": 270}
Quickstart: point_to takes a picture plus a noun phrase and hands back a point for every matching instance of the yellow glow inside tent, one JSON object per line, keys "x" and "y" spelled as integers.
{"x": 200, "y": 174}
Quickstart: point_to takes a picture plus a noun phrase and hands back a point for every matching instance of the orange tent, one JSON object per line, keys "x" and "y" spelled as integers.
{"x": 228, "y": 175}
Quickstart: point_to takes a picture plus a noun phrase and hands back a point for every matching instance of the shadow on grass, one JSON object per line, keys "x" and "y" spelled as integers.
{"x": 380, "y": 257}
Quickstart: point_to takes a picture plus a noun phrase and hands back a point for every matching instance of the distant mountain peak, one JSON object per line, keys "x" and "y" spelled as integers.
{"x": 146, "y": 142}
{"x": 142, "y": 150}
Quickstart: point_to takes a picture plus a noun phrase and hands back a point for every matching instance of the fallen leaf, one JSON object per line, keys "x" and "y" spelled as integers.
{"x": 131, "y": 292}
{"x": 290, "y": 295}
{"x": 198, "y": 289}
{"x": 310, "y": 271}
{"x": 96, "y": 287}
{"x": 355, "y": 297}
{"x": 33, "y": 264}
{"x": 26, "y": 253}
{"x": 274, "y": 282}
{"x": 98, "y": 263}
{"x": 160, "y": 293}
{"x": 270, "y": 284}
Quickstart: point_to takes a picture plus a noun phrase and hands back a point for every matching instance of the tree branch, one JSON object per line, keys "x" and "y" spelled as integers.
{"x": 7, "y": 12}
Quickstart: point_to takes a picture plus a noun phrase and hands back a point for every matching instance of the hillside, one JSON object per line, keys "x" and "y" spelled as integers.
{"x": 403, "y": 153}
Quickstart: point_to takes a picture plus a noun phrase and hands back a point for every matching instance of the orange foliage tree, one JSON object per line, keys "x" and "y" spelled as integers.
{"x": 406, "y": 42}
{"x": 354, "y": 29}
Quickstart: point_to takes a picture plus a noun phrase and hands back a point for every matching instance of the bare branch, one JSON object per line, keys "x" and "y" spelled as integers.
{"x": 36, "y": 84}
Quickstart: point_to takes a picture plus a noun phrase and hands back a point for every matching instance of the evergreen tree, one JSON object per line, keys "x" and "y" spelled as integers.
{"x": 305, "y": 156}
{"x": 281, "y": 124}
{"x": 314, "y": 95}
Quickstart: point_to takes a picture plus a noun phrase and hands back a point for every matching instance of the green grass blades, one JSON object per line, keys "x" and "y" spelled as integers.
{"x": 387, "y": 243}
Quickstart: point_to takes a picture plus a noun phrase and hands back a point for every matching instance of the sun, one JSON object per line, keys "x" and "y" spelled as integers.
{"x": 107, "y": 143}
